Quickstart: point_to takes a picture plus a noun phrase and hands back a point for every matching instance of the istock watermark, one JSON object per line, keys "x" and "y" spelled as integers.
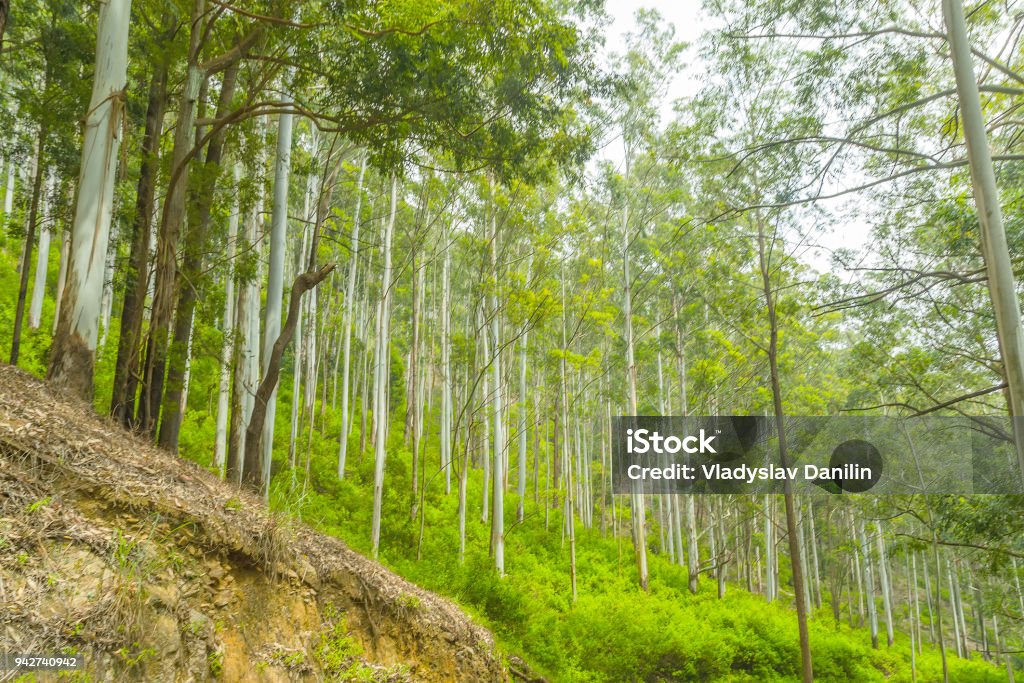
{"x": 825, "y": 455}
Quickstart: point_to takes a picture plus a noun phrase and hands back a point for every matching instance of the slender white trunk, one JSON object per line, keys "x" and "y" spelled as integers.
{"x": 636, "y": 495}
{"x": 12, "y": 177}
{"x": 380, "y": 382}
{"x": 74, "y": 347}
{"x": 485, "y": 507}
{"x": 446, "y": 365}
{"x": 107, "y": 303}
{"x": 188, "y": 366}
{"x": 62, "y": 274}
{"x": 228, "y": 324}
{"x": 523, "y": 408}
{"x": 275, "y": 277}
{"x": 347, "y": 322}
{"x": 570, "y": 522}
{"x": 298, "y": 358}
{"x": 35, "y": 311}
{"x": 498, "y": 518}
{"x": 869, "y": 584}
{"x": 816, "y": 582}
{"x": 883, "y": 576}
{"x": 1001, "y": 285}
{"x": 771, "y": 563}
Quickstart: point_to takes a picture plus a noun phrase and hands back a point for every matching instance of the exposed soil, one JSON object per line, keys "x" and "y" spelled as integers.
{"x": 155, "y": 570}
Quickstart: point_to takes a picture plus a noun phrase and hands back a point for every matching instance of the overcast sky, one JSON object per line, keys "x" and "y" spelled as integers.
{"x": 690, "y": 21}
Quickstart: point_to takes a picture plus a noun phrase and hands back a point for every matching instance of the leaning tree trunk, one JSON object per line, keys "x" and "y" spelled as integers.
{"x": 254, "y": 475}
{"x": 74, "y": 345}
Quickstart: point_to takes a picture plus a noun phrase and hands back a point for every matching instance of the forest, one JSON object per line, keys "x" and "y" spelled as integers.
{"x": 396, "y": 267}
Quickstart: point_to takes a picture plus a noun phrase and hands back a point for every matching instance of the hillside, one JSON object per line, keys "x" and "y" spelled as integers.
{"x": 155, "y": 570}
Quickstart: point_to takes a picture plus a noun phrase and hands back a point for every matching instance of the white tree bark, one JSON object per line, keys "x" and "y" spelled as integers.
{"x": 869, "y": 584}
{"x": 275, "y": 276}
{"x": 1001, "y": 285}
{"x": 382, "y": 371}
{"x": 298, "y": 362}
{"x": 35, "y": 311}
{"x": 107, "y": 302}
{"x": 636, "y": 496}
{"x": 62, "y": 274}
{"x": 347, "y": 322}
{"x": 498, "y": 518}
{"x": 570, "y": 522}
{"x": 446, "y": 365}
{"x": 228, "y": 325}
{"x": 74, "y": 349}
{"x": 883, "y": 576}
{"x": 9, "y": 189}
{"x": 485, "y": 384}
{"x": 523, "y": 408}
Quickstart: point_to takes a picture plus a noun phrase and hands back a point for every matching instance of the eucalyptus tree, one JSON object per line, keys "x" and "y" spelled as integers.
{"x": 649, "y": 59}
{"x": 898, "y": 139}
{"x": 73, "y": 354}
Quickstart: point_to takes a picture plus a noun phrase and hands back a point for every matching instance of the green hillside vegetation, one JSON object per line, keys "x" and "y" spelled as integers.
{"x": 615, "y": 632}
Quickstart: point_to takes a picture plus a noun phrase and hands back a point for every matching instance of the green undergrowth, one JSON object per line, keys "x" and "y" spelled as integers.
{"x": 614, "y": 632}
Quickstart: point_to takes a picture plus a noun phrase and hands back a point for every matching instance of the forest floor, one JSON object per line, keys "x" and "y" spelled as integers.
{"x": 154, "y": 569}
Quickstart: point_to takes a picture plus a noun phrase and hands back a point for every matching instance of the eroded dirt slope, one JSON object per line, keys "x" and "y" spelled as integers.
{"x": 155, "y": 570}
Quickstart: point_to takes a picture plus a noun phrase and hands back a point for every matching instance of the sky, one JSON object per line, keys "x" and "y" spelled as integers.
{"x": 690, "y": 22}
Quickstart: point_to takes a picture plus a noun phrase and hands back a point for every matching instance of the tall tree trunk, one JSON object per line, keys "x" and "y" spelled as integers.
{"x": 194, "y": 246}
{"x": 792, "y": 531}
{"x": 883, "y": 577}
{"x": 570, "y": 521}
{"x": 636, "y": 495}
{"x": 73, "y": 353}
{"x": 347, "y": 322}
{"x": 383, "y": 370}
{"x": 869, "y": 584}
{"x": 35, "y": 309}
{"x": 254, "y": 475}
{"x": 246, "y": 339}
{"x": 498, "y": 518}
{"x": 486, "y": 399}
{"x": 12, "y": 179}
{"x": 446, "y": 364}
{"x": 275, "y": 285}
{"x": 524, "y": 407}
{"x": 172, "y": 219}
{"x": 227, "y": 327}
{"x": 62, "y": 274}
{"x": 30, "y": 236}
{"x": 994, "y": 248}
{"x": 126, "y": 368}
